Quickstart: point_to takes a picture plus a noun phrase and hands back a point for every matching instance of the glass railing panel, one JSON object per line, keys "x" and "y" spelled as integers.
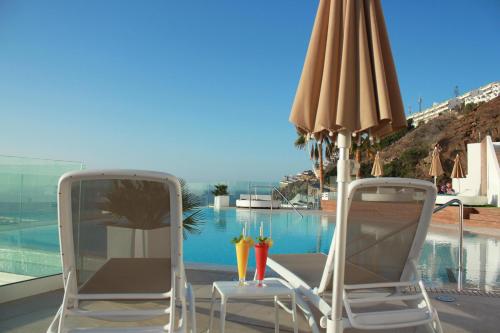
{"x": 303, "y": 195}
{"x": 29, "y": 243}
{"x": 235, "y": 189}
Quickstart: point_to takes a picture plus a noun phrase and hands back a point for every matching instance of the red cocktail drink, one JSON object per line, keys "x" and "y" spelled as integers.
{"x": 261, "y": 250}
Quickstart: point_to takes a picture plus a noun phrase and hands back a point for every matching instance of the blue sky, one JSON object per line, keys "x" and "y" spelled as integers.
{"x": 202, "y": 89}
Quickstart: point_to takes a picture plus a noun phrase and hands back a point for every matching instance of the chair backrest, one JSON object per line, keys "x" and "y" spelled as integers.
{"x": 387, "y": 223}
{"x": 119, "y": 215}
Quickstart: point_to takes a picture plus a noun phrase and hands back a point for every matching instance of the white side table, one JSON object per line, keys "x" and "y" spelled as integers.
{"x": 273, "y": 289}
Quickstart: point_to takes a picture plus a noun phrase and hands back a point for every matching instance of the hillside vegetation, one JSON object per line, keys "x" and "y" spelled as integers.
{"x": 410, "y": 153}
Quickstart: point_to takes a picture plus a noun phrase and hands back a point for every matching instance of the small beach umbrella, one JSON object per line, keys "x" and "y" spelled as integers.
{"x": 378, "y": 168}
{"x": 348, "y": 86}
{"x": 436, "y": 167}
{"x": 458, "y": 171}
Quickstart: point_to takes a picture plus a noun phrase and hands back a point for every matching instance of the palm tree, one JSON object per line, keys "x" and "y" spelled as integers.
{"x": 363, "y": 145}
{"x": 316, "y": 153}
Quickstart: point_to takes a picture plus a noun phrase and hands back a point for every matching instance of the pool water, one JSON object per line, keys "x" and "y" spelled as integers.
{"x": 34, "y": 250}
{"x": 313, "y": 233}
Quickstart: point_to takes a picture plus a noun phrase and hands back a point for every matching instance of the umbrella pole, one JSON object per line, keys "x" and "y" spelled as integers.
{"x": 334, "y": 324}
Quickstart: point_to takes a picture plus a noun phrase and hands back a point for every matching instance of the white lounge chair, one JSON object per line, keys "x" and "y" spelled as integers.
{"x": 387, "y": 224}
{"x": 121, "y": 241}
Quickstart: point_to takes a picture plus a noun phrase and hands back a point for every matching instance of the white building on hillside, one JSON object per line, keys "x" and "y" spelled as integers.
{"x": 483, "y": 94}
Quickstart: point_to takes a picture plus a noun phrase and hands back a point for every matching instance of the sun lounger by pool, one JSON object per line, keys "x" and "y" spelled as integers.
{"x": 257, "y": 201}
{"x": 386, "y": 227}
{"x": 466, "y": 199}
{"x": 121, "y": 240}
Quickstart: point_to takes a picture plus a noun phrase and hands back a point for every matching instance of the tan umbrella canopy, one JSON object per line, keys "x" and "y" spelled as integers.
{"x": 348, "y": 85}
{"x": 378, "y": 168}
{"x": 458, "y": 171}
{"x": 436, "y": 167}
{"x": 349, "y": 79}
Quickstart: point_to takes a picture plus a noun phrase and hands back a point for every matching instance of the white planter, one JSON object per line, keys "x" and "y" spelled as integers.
{"x": 124, "y": 242}
{"x": 221, "y": 201}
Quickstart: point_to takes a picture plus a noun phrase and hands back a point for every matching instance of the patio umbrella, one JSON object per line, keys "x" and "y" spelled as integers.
{"x": 458, "y": 171}
{"x": 378, "y": 168}
{"x": 436, "y": 167}
{"x": 348, "y": 85}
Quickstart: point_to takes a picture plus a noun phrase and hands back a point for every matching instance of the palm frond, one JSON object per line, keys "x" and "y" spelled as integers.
{"x": 146, "y": 205}
{"x": 191, "y": 223}
{"x": 300, "y": 142}
{"x": 194, "y": 215}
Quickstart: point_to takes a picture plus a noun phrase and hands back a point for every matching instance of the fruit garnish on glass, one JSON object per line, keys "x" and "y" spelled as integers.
{"x": 265, "y": 241}
{"x": 248, "y": 239}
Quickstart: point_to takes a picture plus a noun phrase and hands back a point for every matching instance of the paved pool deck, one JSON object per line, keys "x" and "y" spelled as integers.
{"x": 470, "y": 312}
{"x": 7, "y": 278}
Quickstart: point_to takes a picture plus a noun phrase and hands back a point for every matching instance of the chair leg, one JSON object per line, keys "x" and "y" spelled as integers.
{"x": 306, "y": 311}
{"x": 223, "y": 302}
{"x": 192, "y": 308}
{"x": 294, "y": 315}
{"x": 53, "y": 328}
{"x": 437, "y": 322}
{"x": 276, "y": 316}
{"x": 211, "y": 319}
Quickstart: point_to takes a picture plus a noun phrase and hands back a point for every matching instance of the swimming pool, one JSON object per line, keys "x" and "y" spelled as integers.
{"x": 313, "y": 233}
{"x": 34, "y": 251}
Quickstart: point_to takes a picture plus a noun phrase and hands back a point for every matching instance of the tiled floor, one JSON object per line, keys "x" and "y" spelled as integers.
{"x": 7, "y": 278}
{"x": 33, "y": 314}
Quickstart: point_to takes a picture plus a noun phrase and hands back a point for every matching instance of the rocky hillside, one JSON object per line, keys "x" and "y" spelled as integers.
{"x": 411, "y": 154}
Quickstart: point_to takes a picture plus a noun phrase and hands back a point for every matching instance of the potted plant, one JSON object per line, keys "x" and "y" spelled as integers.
{"x": 221, "y": 196}
{"x": 140, "y": 213}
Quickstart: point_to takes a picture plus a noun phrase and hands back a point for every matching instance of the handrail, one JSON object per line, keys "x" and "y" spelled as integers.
{"x": 274, "y": 188}
{"x": 288, "y": 201}
{"x": 460, "y": 236}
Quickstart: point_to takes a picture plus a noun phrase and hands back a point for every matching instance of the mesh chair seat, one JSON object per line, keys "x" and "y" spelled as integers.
{"x": 309, "y": 268}
{"x": 130, "y": 275}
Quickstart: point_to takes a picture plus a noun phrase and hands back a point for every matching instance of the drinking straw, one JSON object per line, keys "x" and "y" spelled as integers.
{"x": 270, "y": 224}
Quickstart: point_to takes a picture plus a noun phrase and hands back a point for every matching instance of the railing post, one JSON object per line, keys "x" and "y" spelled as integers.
{"x": 460, "y": 237}
{"x": 460, "y": 245}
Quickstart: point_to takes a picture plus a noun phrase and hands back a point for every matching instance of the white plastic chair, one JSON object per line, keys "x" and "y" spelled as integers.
{"x": 387, "y": 224}
{"x": 121, "y": 240}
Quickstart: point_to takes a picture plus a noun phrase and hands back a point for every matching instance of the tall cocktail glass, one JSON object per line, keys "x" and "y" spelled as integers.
{"x": 242, "y": 250}
{"x": 261, "y": 251}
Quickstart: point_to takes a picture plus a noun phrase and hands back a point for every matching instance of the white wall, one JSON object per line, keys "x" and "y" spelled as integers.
{"x": 493, "y": 171}
{"x": 472, "y": 184}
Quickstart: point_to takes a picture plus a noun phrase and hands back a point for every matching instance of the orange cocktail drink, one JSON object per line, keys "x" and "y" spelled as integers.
{"x": 242, "y": 245}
